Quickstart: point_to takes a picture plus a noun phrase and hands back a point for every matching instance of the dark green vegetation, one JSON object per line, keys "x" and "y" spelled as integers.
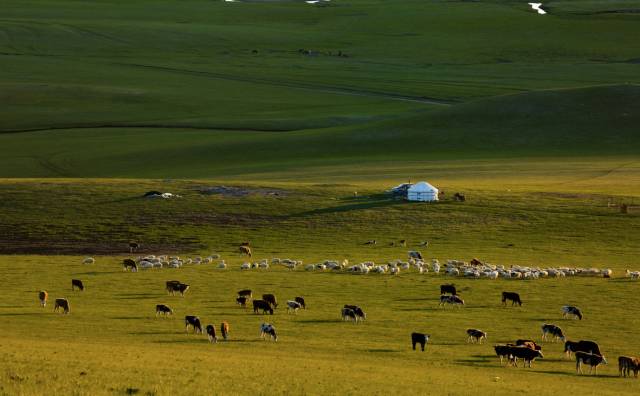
{"x": 209, "y": 89}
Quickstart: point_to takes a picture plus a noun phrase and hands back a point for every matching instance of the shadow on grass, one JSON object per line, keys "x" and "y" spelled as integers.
{"x": 92, "y": 273}
{"x": 129, "y": 317}
{"x": 23, "y": 313}
{"x": 376, "y": 202}
{"x": 413, "y": 299}
{"x": 320, "y": 321}
{"x": 381, "y": 350}
{"x": 572, "y": 373}
{"x": 134, "y": 296}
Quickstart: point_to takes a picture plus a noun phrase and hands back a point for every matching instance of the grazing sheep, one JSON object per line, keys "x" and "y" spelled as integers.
{"x": 222, "y": 265}
{"x": 245, "y": 266}
{"x": 89, "y": 260}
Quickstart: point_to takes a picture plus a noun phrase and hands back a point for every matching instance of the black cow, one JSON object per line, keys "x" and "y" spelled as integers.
{"x": 175, "y": 286}
{"x": 349, "y": 314}
{"x": 262, "y": 305}
{"x": 211, "y": 334}
{"x": 359, "y": 312}
{"x": 511, "y": 296}
{"x": 444, "y": 289}
{"x": 245, "y": 293}
{"x": 242, "y": 301}
{"x": 419, "y": 338}
{"x": 581, "y": 346}
{"x": 504, "y": 351}
{"x": 133, "y": 246}
{"x": 162, "y": 309}
{"x": 524, "y": 353}
{"x": 271, "y": 299}
{"x": 553, "y": 330}
{"x": 61, "y": 303}
{"x": 300, "y": 300}
{"x": 171, "y": 285}
{"x": 129, "y": 264}
{"x": 194, "y": 322}
{"x": 77, "y": 283}
{"x": 592, "y": 359}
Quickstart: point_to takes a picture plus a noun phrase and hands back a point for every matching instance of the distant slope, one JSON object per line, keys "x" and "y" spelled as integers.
{"x": 587, "y": 121}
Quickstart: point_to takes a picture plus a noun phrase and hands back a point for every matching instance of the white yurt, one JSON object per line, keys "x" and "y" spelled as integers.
{"x": 422, "y": 191}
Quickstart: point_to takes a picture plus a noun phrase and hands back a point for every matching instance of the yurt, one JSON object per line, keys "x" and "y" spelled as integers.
{"x": 422, "y": 191}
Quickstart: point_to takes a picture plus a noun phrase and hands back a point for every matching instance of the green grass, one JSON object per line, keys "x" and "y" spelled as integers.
{"x": 111, "y": 341}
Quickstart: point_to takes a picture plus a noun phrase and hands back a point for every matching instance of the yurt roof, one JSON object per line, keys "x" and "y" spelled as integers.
{"x": 422, "y": 187}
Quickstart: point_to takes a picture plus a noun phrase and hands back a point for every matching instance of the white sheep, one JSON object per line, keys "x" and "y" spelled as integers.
{"x": 89, "y": 260}
{"x": 245, "y": 266}
{"x": 222, "y": 265}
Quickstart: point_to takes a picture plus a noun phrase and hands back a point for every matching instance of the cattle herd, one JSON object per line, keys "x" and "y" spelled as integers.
{"x": 585, "y": 352}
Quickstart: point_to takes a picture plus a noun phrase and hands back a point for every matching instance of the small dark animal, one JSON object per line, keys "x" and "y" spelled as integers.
{"x": 511, "y": 296}
{"x": 627, "y": 364}
{"x": 77, "y": 283}
{"x": 458, "y": 197}
{"x": 224, "y": 330}
{"x": 569, "y": 310}
{"x": 271, "y": 299}
{"x": 194, "y": 322}
{"x": 524, "y": 353}
{"x": 581, "y": 346}
{"x": 475, "y": 335}
{"x": 419, "y": 338}
{"x": 475, "y": 262}
{"x": 358, "y": 311}
{"x": 453, "y": 300}
{"x": 245, "y": 293}
{"x": 371, "y": 242}
{"x": 245, "y": 250}
{"x": 300, "y": 300}
{"x": 211, "y": 334}
{"x": 262, "y": 305}
{"x": 133, "y": 246}
{"x": 553, "y": 330}
{"x": 349, "y": 314}
{"x": 61, "y": 303}
{"x": 444, "y": 289}
{"x": 242, "y": 301}
{"x": 592, "y": 359}
{"x": 129, "y": 264}
{"x": 162, "y": 309}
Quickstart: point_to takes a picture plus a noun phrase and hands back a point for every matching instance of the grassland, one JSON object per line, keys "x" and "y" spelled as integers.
{"x": 533, "y": 117}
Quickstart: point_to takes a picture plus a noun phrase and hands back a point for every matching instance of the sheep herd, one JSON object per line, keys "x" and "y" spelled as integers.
{"x": 455, "y": 268}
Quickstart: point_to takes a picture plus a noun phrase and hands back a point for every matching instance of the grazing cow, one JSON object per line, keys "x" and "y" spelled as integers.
{"x": 262, "y": 305}
{"x": 419, "y": 338}
{"x": 454, "y": 300}
{"x": 524, "y": 353}
{"x": 504, "y": 351}
{"x": 62, "y": 303}
{"x": 359, "y": 312}
{"x": 162, "y": 309}
{"x": 371, "y": 242}
{"x": 300, "y": 300}
{"x": 194, "y": 322}
{"x": 511, "y": 296}
{"x": 592, "y": 359}
{"x": 43, "y": 296}
{"x": 475, "y": 335}
{"x": 77, "y": 283}
{"x": 529, "y": 344}
{"x": 176, "y": 286}
{"x": 211, "y": 334}
{"x": 553, "y": 330}
{"x": 627, "y": 364}
{"x": 293, "y": 306}
{"x": 245, "y": 250}
{"x": 133, "y": 246}
{"x": 245, "y": 293}
{"x": 242, "y": 301}
{"x": 268, "y": 329}
{"x": 581, "y": 346}
{"x": 271, "y": 299}
{"x": 444, "y": 289}
{"x": 224, "y": 330}
{"x": 349, "y": 314}
{"x": 569, "y": 310}
{"x": 129, "y": 264}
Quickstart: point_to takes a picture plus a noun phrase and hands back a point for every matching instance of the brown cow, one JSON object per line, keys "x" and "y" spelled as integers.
{"x": 245, "y": 250}
{"x": 224, "y": 330}
{"x": 61, "y": 303}
{"x": 43, "y": 296}
{"x": 627, "y": 364}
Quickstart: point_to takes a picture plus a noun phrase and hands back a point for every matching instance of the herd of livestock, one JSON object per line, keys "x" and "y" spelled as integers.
{"x": 586, "y": 352}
